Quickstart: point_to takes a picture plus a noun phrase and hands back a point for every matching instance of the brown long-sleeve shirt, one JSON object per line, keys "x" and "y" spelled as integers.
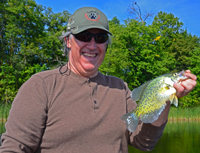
{"x": 67, "y": 113}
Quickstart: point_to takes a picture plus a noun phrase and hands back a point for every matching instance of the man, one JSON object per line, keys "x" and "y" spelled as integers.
{"x": 75, "y": 108}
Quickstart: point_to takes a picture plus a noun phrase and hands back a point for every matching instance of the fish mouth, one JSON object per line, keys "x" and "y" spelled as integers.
{"x": 182, "y": 73}
{"x": 182, "y": 76}
{"x": 182, "y": 79}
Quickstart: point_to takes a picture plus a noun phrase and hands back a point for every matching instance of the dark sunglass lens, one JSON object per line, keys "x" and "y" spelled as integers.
{"x": 85, "y": 36}
{"x": 101, "y": 37}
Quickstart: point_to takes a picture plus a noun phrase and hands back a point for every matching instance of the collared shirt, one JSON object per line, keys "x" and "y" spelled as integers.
{"x": 55, "y": 112}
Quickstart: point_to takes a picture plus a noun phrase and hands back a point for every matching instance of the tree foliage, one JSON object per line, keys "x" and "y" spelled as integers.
{"x": 28, "y": 43}
{"x": 141, "y": 52}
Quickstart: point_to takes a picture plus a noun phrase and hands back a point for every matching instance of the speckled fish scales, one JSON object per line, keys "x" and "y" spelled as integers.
{"x": 152, "y": 97}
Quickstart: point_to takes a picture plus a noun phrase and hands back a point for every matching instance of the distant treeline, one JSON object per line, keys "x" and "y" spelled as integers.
{"x": 139, "y": 52}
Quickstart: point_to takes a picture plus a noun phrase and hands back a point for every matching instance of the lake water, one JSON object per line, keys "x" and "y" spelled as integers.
{"x": 178, "y": 137}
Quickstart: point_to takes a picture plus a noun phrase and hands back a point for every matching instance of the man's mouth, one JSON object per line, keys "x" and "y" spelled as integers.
{"x": 89, "y": 55}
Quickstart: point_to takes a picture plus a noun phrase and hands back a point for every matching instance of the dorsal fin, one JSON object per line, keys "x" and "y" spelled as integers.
{"x": 137, "y": 92}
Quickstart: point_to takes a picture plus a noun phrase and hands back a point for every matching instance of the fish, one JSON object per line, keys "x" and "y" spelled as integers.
{"x": 152, "y": 97}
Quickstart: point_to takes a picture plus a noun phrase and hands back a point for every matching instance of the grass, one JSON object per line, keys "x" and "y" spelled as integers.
{"x": 184, "y": 114}
{"x": 4, "y": 111}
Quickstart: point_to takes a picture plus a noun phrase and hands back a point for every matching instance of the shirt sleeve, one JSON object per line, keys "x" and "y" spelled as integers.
{"x": 146, "y": 136}
{"x": 27, "y": 117}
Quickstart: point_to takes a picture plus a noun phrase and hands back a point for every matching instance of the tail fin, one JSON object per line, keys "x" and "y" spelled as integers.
{"x": 131, "y": 120}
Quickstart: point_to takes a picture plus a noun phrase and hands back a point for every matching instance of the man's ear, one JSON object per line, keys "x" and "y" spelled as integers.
{"x": 67, "y": 42}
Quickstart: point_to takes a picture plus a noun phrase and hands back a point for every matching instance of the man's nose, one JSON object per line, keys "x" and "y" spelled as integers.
{"x": 92, "y": 45}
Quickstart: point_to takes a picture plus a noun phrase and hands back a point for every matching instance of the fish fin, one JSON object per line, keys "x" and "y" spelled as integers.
{"x": 137, "y": 92}
{"x": 175, "y": 101}
{"x": 131, "y": 120}
{"x": 152, "y": 116}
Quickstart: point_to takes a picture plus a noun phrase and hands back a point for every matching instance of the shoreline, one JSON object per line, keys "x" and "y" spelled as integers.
{"x": 184, "y": 119}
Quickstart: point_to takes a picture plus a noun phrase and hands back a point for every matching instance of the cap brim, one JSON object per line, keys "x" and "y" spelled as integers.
{"x": 83, "y": 28}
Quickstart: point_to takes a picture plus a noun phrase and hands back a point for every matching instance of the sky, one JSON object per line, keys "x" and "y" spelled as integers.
{"x": 188, "y": 11}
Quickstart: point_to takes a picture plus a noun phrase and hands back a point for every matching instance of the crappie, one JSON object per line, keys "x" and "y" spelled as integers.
{"x": 152, "y": 97}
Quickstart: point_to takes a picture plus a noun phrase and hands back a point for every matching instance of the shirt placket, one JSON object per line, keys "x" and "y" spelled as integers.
{"x": 93, "y": 88}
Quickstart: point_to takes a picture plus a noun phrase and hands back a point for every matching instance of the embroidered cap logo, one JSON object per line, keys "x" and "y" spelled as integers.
{"x": 92, "y": 16}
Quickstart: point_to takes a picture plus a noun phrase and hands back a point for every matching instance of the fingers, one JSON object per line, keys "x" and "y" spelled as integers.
{"x": 190, "y": 75}
{"x": 190, "y": 83}
{"x": 179, "y": 90}
{"x": 187, "y": 85}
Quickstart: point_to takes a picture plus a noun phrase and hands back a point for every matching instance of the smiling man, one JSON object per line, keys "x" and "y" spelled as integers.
{"x": 88, "y": 51}
{"x": 75, "y": 108}
{"x": 87, "y": 36}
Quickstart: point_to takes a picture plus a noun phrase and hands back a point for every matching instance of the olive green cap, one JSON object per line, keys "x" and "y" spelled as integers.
{"x": 86, "y": 18}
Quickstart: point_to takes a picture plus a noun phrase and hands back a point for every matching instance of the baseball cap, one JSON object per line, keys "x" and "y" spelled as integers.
{"x": 86, "y": 18}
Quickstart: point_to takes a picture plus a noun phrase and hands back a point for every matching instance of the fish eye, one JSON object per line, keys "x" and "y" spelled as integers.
{"x": 175, "y": 74}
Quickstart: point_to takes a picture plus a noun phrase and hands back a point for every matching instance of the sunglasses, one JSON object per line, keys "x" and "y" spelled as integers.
{"x": 87, "y": 36}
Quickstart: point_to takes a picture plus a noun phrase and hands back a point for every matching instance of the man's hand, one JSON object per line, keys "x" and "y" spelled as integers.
{"x": 186, "y": 86}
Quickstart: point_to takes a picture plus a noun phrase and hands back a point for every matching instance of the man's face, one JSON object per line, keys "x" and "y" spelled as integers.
{"x": 86, "y": 57}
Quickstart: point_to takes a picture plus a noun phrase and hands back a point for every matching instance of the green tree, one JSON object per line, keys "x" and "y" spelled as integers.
{"x": 116, "y": 59}
{"x": 52, "y": 46}
{"x": 28, "y": 42}
{"x": 183, "y": 46}
{"x": 21, "y": 27}
{"x": 141, "y": 52}
{"x": 135, "y": 55}
{"x": 192, "y": 62}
